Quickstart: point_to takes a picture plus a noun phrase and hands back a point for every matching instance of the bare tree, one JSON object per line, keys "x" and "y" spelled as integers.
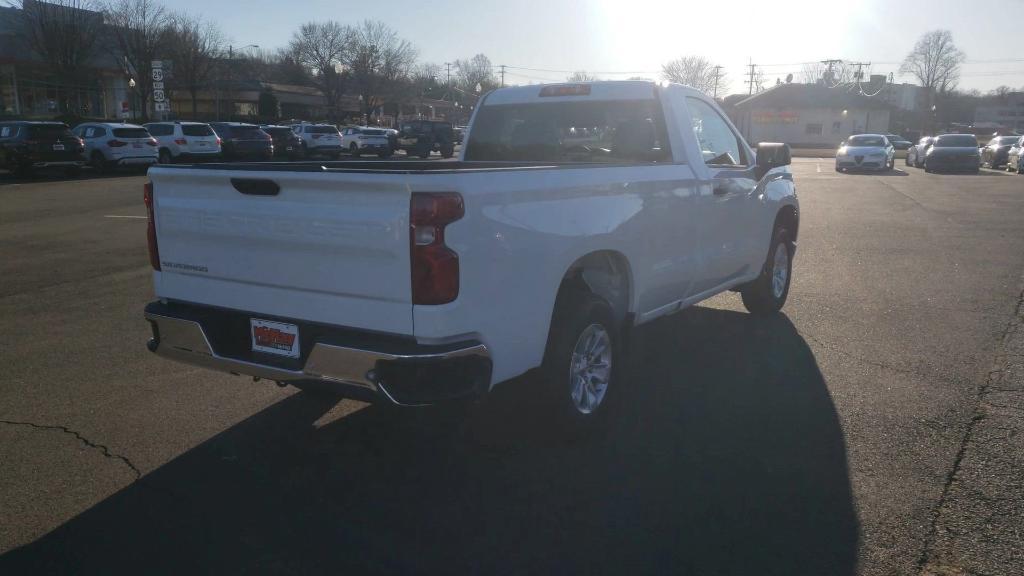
{"x": 378, "y": 61}
{"x": 64, "y": 33}
{"x": 476, "y": 71}
{"x": 320, "y": 47}
{"x": 1000, "y": 91}
{"x": 581, "y": 76}
{"x": 194, "y": 47}
{"x": 140, "y": 28}
{"x": 426, "y": 80}
{"x": 697, "y": 72}
{"x": 935, "y": 61}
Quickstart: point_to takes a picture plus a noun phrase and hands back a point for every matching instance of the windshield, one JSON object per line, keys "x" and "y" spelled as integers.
{"x": 131, "y": 133}
{"x": 613, "y": 132}
{"x": 277, "y": 132}
{"x": 865, "y": 141}
{"x": 956, "y": 141}
{"x": 196, "y": 130}
{"x": 48, "y": 131}
{"x": 372, "y": 132}
{"x": 321, "y": 130}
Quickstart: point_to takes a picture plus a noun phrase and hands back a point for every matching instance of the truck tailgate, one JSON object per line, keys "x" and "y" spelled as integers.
{"x": 330, "y": 248}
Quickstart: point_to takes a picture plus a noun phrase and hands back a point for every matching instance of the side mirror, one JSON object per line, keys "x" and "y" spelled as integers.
{"x": 772, "y": 155}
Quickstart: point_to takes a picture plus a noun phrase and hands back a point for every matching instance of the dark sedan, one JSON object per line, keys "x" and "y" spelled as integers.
{"x": 953, "y": 152}
{"x": 287, "y": 143}
{"x": 995, "y": 153}
{"x": 899, "y": 142}
{"x": 243, "y": 141}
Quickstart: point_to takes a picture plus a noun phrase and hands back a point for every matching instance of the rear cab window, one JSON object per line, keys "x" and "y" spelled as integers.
{"x": 956, "y": 141}
{"x": 49, "y": 131}
{"x": 321, "y": 130}
{"x": 601, "y": 131}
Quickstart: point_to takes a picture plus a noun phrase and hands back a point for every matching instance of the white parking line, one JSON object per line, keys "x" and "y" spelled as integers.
{"x": 122, "y": 216}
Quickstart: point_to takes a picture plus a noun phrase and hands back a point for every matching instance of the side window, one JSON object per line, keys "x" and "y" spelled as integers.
{"x": 90, "y": 132}
{"x": 837, "y": 127}
{"x": 309, "y": 129}
{"x": 100, "y": 131}
{"x": 6, "y": 132}
{"x": 719, "y": 146}
{"x": 813, "y": 129}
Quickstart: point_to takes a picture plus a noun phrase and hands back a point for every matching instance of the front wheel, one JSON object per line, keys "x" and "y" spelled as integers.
{"x": 767, "y": 294}
{"x": 354, "y": 150}
{"x": 581, "y": 360}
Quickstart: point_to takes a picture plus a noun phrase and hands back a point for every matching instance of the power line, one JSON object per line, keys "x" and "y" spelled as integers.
{"x": 718, "y": 76}
{"x": 750, "y": 80}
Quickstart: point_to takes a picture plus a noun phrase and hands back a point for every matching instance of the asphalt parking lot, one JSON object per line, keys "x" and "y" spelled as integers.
{"x": 877, "y": 427}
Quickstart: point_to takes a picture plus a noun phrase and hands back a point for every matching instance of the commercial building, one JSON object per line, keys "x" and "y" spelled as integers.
{"x": 1001, "y": 113}
{"x": 809, "y": 115}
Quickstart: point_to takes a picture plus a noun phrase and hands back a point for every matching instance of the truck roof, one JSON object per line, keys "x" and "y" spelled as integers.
{"x": 573, "y": 91}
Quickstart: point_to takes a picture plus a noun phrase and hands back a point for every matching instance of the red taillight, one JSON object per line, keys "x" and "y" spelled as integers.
{"x": 435, "y": 266}
{"x": 154, "y": 252}
{"x": 180, "y": 141}
{"x": 116, "y": 143}
{"x": 219, "y": 141}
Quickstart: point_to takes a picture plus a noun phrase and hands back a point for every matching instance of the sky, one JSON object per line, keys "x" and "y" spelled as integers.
{"x": 544, "y": 40}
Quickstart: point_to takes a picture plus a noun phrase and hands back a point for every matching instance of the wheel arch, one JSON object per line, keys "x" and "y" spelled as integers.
{"x": 789, "y": 218}
{"x": 605, "y": 273}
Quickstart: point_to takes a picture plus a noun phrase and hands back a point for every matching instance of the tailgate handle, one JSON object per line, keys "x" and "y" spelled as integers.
{"x": 256, "y": 186}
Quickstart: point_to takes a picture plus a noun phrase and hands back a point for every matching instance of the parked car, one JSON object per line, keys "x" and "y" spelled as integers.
{"x": 915, "y": 154}
{"x": 953, "y": 152}
{"x": 421, "y": 137}
{"x": 185, "y": 141}
{"x": 365, "y": 140}
{"x": 997, "y": 150}
{"x": 26, "y": 146}
{"x": 865, "y": 152}
{"x": 1014, "y": 160}
{"x": 898, "y": 142}
{"x": 287, "y": 144}
{"x": 110, "y": 145}
{"x": 241, "y": 141}
{"x": 416, "y": 283}
{"x": 319, "y": 139}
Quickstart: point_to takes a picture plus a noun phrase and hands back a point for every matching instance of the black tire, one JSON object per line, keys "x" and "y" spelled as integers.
{"x": 164, "y": 157}
{"x": 759, "y": 297}
{"x": 926, "y": 168}
{"x": 353, "y": 150}
{"x": 838, "y": 169}
{"x": 424, "y": 152}
{"x": 576, "y": 312}
{"x": 892, "y": 164}
{"x": 98, "y": 162}
{"x": 384, "y": 155}
{"x": 447, "y": 151}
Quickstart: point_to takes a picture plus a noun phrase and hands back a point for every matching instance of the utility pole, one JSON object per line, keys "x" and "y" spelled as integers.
{"x": 448, "y": 81}
{"x": 718, "y": 75}
{"x": 830, "y": 63}
{"x": 858, "y": 75}
{"x": 750, "y": 78}
{"x": 502, "y": 75}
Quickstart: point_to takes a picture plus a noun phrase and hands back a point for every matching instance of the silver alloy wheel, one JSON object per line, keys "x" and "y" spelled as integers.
{"x": 780, "y": 270}
{"x": 590, "y": 369}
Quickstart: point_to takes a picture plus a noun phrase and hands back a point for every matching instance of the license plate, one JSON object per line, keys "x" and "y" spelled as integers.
{"x": 58, "y": 146}
{"x": 137, "y": 144}
{"x": 275, "y": 337}
{"x": 202, "y": 143}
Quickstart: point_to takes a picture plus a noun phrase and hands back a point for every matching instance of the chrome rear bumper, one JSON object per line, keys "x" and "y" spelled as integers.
{"x": 184, "y": 340}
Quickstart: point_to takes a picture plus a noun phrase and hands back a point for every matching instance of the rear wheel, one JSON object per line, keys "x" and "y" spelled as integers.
{"x": 580, "y": 365}
{"x": 447, "y": 151}
{"x": 767, "y": 294}
{"x": 164, "y": 157}
{"x": 353, "y": 150}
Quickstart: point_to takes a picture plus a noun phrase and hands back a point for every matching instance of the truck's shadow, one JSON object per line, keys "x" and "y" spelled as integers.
{"x": 729, "y": 460}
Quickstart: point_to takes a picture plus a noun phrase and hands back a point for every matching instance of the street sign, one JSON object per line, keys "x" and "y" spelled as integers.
{"x": 162, "y": 106}
{"x": 158, "y": 75}
{"x": 159, "y": 96}
{"x": 158, "y": 85}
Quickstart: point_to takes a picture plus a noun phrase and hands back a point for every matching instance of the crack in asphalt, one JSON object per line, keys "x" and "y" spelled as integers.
{"x": 102, "y": 448}
{"x": 1000, "y": 364}
{"x": 875, "y": 363}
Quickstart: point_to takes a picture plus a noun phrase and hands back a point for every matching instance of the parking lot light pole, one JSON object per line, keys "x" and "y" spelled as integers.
{"x": 131, "y": 96}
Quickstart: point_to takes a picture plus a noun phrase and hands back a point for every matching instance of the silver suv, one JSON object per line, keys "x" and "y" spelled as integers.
{"x": 185, "y": 141}
{"x": 110, "y": 145}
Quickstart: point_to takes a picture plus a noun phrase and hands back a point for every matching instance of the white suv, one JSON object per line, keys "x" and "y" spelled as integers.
{"x": 366, "y": 140}
{"x": 185, "y": 141}
{"x": 322, "y": 139}
{"x": 109, "y": 145}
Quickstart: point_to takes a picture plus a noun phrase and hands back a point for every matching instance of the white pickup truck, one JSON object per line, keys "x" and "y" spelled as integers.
{"x": 575, "y": 212}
